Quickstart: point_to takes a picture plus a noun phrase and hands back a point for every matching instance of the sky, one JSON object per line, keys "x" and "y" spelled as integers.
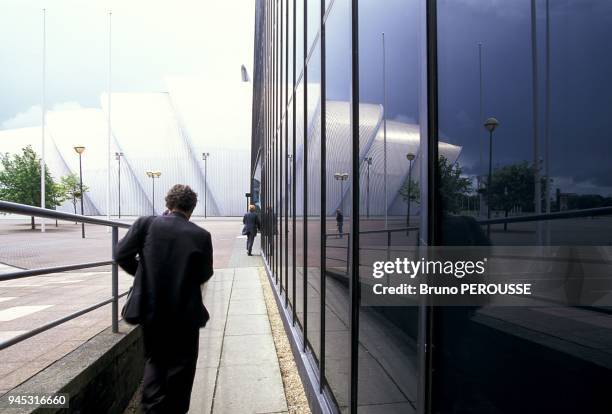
{"x": 155, "y": 39}
{"x": 151, "y": 40}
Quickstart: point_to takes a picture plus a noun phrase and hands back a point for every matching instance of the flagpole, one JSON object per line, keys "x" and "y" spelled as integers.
{"x": 480, "y": 129}
{"x": 108, "y": 152}
{"x": 547, "y": 122}
{"x": 44, "y": 109}
{"x": 537, "y": 199}
{"x": 384, "y": 80}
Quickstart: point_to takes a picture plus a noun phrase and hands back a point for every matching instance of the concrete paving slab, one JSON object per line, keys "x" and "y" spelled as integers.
{"x": 237, "y": 370}
{"x": 246, "y": 294}
{"x": 248, "y": 349}
{"x": 210, "y": 350}
{"x": 247, "y": 307}
{"x": 249, "y": 389}
{"x": 247, "y": 325}
{"x": 204, "y": 383}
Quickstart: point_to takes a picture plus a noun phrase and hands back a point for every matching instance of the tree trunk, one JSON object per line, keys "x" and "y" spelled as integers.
{"x": 506, "y": 223}
{"x": 33, "y": 224}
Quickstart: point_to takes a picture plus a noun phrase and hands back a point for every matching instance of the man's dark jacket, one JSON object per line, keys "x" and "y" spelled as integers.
{"x": 251, "y": 222}
{"x": 176, "y": 257}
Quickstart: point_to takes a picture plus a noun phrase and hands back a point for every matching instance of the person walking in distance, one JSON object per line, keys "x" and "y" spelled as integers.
{"x": 251, "y": 226}
{"x": 339, "y": 221}
{"x": 173, "y": 258}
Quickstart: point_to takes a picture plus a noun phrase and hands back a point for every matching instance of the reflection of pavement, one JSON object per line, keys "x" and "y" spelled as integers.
{"x": 387, "y": 356}
{"x": 30, "y": 302}
{"x": 579, "y": 333}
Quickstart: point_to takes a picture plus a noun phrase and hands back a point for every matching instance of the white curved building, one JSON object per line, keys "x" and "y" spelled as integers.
{"x": 402, "y": 138}
{"x": 164, "y": 131}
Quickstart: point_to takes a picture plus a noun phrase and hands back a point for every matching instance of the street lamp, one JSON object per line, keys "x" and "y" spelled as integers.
{"x": 153, "y": 175}
{"x": 490, "y": 124}
{"x": 342, "y": 177}
{"x": 205, "y": 156}
{"x": 79, "y": 150}
{"x": 118, "y": 156}
{"x": 410, "y": 156}
{"x": 368, "y": 161}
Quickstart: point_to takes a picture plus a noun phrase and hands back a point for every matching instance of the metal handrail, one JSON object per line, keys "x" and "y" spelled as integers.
{"x": 21, "y": 209}
{"x": 25, "y": 210}
{"x": 46, "y": 270}
{"x": 587, "y": 212}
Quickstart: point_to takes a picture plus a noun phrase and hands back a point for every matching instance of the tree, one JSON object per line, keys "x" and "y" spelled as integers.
{"x": 20, "y": 181}
{"x": 411, "y": 188}
{"x": 71, "y": 189}
{"x": 513, "y": 186}
{"x": 452, "y": 186}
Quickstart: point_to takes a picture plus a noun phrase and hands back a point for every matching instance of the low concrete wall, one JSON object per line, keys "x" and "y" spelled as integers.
{"x": 100, "y": 376}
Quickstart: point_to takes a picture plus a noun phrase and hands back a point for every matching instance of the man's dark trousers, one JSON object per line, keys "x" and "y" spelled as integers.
{"x": 250, "y": 239}
{"x": 170, "y": 365}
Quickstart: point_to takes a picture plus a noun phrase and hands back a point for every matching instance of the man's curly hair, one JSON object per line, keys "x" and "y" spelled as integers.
{"x": 181, "y": 197}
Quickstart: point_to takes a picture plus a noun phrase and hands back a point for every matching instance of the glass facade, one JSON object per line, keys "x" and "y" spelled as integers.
{"x": 383, "y": 127}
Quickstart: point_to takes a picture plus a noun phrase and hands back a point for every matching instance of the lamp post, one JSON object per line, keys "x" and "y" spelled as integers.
{"x": 342, "y": 177}
{"x": 79, "y": 150}
{"x": 118, "y": 156}
{"x": 153, "y": 175}
{"x": 490, "y": 124}
{"x": 410, "y": 157}
{"x": 205, "y": 156}
{"x": 368, "y": 161}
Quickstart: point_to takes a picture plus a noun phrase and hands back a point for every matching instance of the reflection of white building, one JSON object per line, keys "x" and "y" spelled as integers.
{"x": 167, "y": 132}
{"x": 402, "y": 138}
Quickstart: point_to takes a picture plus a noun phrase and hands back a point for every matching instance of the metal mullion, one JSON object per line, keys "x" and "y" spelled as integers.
{"x": 280, "y": 151}
{"x": 286, "y": 112}
{"x": 354, "y": 232}
{"x": 433, "y": 208}
{"x": 305, "y": 198}
{"x": 274, "y": 142}
{"x": 323, "y": 197}
{"x": 293, "y": 165}
{"x": 264, "y": 238}
{"x": 269, "y": 134}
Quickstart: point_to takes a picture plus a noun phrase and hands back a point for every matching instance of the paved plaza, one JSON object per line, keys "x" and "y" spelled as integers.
{"x": 238, "y": 370}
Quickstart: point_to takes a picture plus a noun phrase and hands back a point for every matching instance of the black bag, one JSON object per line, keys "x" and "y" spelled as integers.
{"x": 133, "y": 310}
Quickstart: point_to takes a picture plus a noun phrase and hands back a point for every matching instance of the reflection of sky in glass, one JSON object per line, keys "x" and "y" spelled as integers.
{"x": 581, "y": 61}
{"x": 580, "y": 89}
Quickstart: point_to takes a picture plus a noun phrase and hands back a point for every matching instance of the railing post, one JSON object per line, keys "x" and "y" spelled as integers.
{"x": 348, "y": 252}
{"x": 115, "y": 281}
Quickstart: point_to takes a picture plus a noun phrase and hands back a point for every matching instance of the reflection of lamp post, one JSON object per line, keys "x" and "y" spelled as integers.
{"x": 79, "y": 150}
{"x": 368, "y": 161}
{"x": 153, "y": 175}
{"x": 205, "y": 156}
{"x": 118, "y": 156}
{"x": 342, "y": 177}
{"x": 490, "y": 124}
{"x": 410, "y": 156}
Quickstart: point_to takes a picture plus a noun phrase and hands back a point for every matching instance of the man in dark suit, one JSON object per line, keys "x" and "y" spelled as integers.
{"x": 339, "y": 222}
{"x": 251, "y": 226}
{"x": 175, "y": 257}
